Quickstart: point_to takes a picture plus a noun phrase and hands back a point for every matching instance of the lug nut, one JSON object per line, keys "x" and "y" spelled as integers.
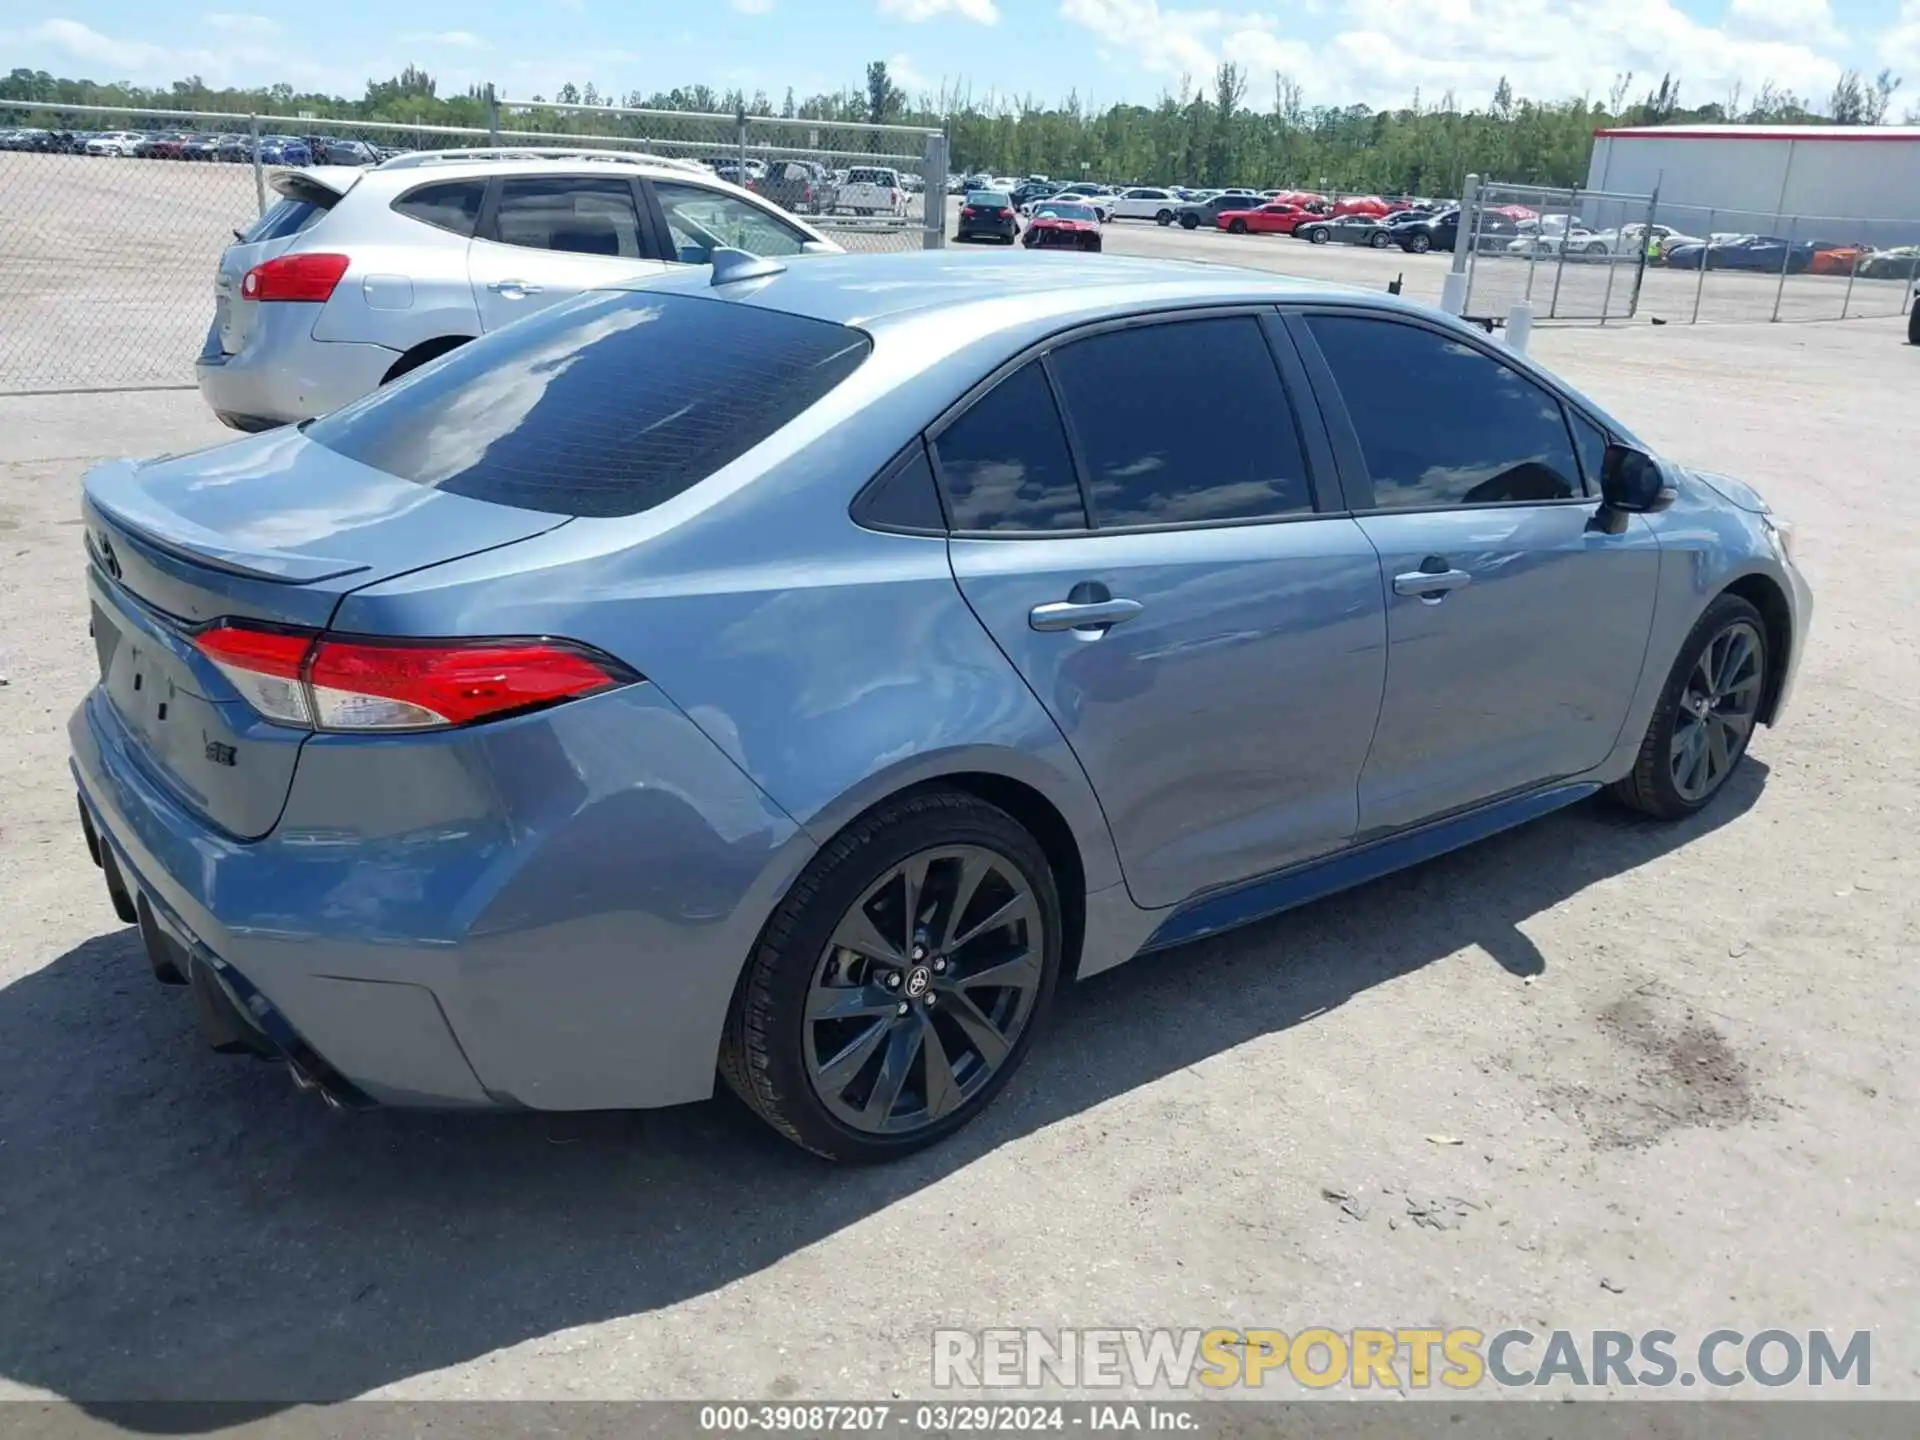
{"x": 893, "y": 980}
{"x": 919, "y": 952}
{"x": 940, "y": 966}
{"x": 903, "y": 1008}
{"x": 930, "y": 999}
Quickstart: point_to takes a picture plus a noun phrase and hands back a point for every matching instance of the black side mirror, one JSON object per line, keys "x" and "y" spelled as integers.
{"x": 1631, "y": 480}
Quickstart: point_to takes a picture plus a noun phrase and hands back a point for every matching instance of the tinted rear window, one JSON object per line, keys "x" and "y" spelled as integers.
{"x": 283, "y": 218}
{"x": 604, "y": 405}
{"x": 448, "y": 205}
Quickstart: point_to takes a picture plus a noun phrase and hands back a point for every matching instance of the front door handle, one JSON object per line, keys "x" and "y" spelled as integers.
{"x": 514, "y": 289}
{"x": 1432, "y": 586}
{"x": 1092, "y": 615}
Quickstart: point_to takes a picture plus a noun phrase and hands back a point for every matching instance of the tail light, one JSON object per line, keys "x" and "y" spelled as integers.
{"x": 358, "y": 684}
{"x": 895, "y": 198}
{"x": 1006, "y": 214}
{"x": 295, "y": 277}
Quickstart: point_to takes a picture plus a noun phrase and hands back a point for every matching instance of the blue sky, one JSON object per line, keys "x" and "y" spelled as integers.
{"x": 1341, "y": 51}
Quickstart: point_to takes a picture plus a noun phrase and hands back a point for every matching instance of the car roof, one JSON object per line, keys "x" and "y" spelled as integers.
{"x": 988, "y": 292}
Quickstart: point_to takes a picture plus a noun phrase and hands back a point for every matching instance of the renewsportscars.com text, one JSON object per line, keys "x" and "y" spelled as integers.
{"x": 1397, "y": 1358}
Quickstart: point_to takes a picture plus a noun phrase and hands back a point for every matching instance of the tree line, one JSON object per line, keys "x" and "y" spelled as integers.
{"x": 1216, "y": 134}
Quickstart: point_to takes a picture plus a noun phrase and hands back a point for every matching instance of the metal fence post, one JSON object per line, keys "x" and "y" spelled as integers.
{"x": 740, "y": 143}
{"x": 1853, "y": 269}
{"x": 1453, "y": 292}
{"x": 1786, "y": 259}
{"x": 1646, "y": 244}
{"x": 934, "y": 208}
{"x": 493, "y": 115}
{"x": 1906, "y": 294}
{"x": 1706, "y": 252}
{"x": 259, "y": 177}
{"x": 1560, "y": 270}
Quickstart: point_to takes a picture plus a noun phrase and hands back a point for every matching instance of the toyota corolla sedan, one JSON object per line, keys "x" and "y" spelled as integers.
{"x": 792, "y": 673}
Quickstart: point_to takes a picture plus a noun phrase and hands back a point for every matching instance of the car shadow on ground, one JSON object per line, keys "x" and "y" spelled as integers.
{"x": 180, "y": 1225}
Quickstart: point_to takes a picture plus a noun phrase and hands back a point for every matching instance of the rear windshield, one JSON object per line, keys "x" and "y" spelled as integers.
{"x": 286, "y": 217}
{"x": 987, "y": 197}
{"x": 603, "y": 405}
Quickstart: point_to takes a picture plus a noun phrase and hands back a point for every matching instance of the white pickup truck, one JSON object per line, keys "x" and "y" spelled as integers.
{"x": 871, "y": 190}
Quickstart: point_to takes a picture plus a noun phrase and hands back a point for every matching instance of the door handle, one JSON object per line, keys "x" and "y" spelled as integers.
{"x": 514, "y": 289}
{"x": 1083, "y": 615}
{"x": 1432, "y": 586}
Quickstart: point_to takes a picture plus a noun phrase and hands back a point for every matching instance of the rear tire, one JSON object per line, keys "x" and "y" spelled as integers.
{"x": 1419, "y": 244}
{"x": 1319, "y": 235}
{"x": 1913, "y": 324}
{"x": 1165, "y": 217}
{"x": 1380, "y": 242}
{"x": 1189, "y": 222}
{"x": 774, "y": 1050}
{"x": 421, "y": 354}
{"x": 1691, "y": 716}
{"x": 1236, "y": 227}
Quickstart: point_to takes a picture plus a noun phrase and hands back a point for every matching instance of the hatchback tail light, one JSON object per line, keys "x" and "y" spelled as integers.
{"x": 295, "y": 277}
{"x": 1006, "y": 215}
{"x": 358, "y": 683}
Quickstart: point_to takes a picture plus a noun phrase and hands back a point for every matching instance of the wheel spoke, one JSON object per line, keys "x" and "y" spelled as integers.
{"x": 858, "y": 933}
{"x": 1020, "y": 971}
{"x": 982, "y": 1032}
{"x": 838, "y": 1073}
{"x": 1020, "y": 907}
{"x": 943, "y": 1092}
{"x": 974, "y": 868}
{"x": 913, "y": 876}
{"x": 903, "y": 1044}
{"x": 1746, "y": 685}
{"x": 1739, "y": 652}
{"x": 848, "y": 1002}
{"x": 1697, "y": 767}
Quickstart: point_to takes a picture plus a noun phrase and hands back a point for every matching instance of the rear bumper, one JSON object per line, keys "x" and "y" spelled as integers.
{"x": 283, "y": 374}
{"x": 549, "y": 912}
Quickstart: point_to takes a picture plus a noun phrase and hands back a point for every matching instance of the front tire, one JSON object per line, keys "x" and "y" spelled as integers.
{"x": 900, "y": 983}
{"x": 1419, "y": 244}
{"x": 1380, "y": 242}
{"x": 1319, "y": 235}
{"x": 1165, "y": 217}
{"x": 1189, "y": 222}
{"x": 1913, "y": 324}
{"x": 1236, "y": 227}
{"x": 1705, "y": 715}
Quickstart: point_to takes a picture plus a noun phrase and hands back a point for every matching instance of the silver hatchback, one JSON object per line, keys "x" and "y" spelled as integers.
{"x": 357, "y": 276}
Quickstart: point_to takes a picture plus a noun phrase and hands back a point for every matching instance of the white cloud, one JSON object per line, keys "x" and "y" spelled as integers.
{"x": 981, "y": 12}
{"x": 753, "y": 7}
{"x": 1809, "y": 21}
{"x": 89, "y": 45}
{"x": 1382, "y": 51}
{"x": 258, "y": 26}
{"x": 1900, "y": 46}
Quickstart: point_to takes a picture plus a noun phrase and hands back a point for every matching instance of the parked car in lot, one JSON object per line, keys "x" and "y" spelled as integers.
{"x": 1274, "y": 218}
{"x": 124, "y": 143}
{"x": 871, "y": 190}
{"x": 234, "y": 149}
{"x": 170, "y": 145}
{"x": 1768, "y": 253}
{"x": 284, "y": 150}
{"x": 1146, "y": 202}
{"x": 1442, "y": 232}
{"x": 201, "y": 147}
{"x": 1063, "y": 224}
{"x": 359, "y": 276}
{"x": 799, "y": 186}
{"x": 330, "y": 150}
{"x": 1354, "y": 228}
{"x": 988, "y": 215}
{"x": 703, "y": 679}
{"x": 1195, "y": 213}
{"x": 1898, "y": 262}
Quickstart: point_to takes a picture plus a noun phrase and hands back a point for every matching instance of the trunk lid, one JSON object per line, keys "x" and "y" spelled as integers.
{"x": 305, "y": 198}
{"x": 274, "y": 528}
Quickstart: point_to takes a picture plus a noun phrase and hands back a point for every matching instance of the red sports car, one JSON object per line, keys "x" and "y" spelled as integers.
{"x": 1062, "y": 225}
{"x": 1275, "y": 218}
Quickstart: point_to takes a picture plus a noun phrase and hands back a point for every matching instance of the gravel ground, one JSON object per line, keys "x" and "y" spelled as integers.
{"x": 1679, "y": 1061}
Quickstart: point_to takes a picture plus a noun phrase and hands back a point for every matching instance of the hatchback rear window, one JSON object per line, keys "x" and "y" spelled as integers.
{"x": 283, "y": 218}
{"x": 604, "y": 405}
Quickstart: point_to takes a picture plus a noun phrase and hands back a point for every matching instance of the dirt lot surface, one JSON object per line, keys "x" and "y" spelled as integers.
{"x": 1679, "y": 1063}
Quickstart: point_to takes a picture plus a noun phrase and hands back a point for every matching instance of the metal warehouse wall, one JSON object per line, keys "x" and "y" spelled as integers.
{"x": 1873, "y": 178}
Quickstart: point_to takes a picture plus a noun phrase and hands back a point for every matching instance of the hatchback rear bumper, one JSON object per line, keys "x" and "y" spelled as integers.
{"x": 282, "y": 374}
{"x": 550, "y": 912}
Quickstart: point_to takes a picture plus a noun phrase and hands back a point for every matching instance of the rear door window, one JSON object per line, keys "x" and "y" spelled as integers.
{"x": 577, "y": 214}
{"x": 452, "y": 205}
{"x": 1005, "y": 463}
{"x": 603, "y": 405}
{"x": 1183, "y": 422}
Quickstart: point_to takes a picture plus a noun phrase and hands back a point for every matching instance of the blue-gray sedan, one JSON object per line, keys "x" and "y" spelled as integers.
{"x": 792, "y": 673}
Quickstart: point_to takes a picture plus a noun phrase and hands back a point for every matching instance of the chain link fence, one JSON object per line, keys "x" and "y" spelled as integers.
{"x": 1587, "y": 255}
{"x": 113, "y": 221}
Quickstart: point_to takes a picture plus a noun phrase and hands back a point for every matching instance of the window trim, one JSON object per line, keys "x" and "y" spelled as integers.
{"x": 1356, "y": 478}
{"x": 1323, "y": 483}
{"x": 486, "y": 193}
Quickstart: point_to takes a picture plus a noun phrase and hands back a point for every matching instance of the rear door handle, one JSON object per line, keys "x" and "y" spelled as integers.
{"x": 514, "y": 289}
{"x": 1433, "y": 585}
{"x": 1083, "y": 615}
